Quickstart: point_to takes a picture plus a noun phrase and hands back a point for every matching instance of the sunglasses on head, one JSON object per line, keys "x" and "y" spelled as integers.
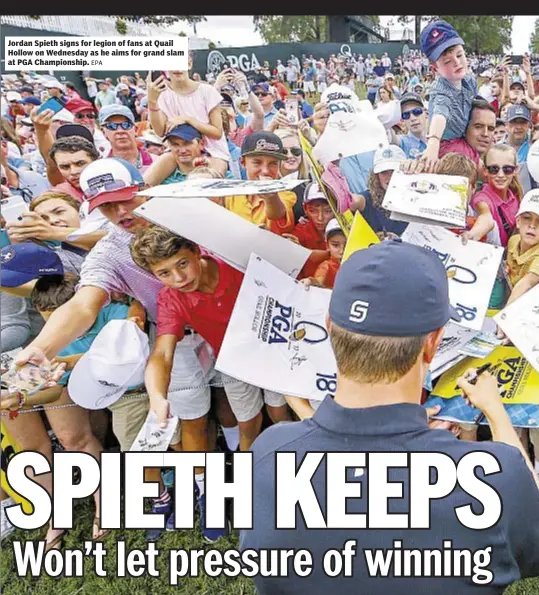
{"x": 296, "y": 151}
{"x": 85, "y": 116}
{"x": 115, "y": 125}
{"x": 417, "y": 111}
{"x": 507, "y": 169}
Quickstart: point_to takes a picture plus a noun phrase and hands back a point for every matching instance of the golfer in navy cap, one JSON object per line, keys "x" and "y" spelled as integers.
{"x": 386, "y": 317}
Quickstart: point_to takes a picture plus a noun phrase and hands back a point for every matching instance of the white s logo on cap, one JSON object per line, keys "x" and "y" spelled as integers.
{"x": 358, "y": 311}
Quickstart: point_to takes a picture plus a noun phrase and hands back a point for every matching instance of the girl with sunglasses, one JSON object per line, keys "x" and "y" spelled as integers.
{"x": 501, "y": 193}
{"x": 294, "y": 166}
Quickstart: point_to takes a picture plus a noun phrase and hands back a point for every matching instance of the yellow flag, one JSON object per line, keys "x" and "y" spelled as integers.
{"x": 344, "y": 219}
{"x": 361, "y": 236}
{"x": 9, "y": 448}
{"x": 518, "y": 381}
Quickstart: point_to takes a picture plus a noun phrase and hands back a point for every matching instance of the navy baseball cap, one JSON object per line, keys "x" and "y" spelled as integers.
{"x": 516, "y": 112}
{"x": 184, "y": 131}
{"x": 33, "y": 100}
{"x": 437, "y": 37}
{"x": 411, "y": 97}
{"x": 392, "y": 289}
{"x": 28, "y": 261}
{"x": 263, "y": 142}
{"x": 263, "y": 86}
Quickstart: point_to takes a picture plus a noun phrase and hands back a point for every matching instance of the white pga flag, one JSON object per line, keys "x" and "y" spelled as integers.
{"x": 277, "y": 337}
{"x": 520, "y": 322}
{"x": 471, "y": 269}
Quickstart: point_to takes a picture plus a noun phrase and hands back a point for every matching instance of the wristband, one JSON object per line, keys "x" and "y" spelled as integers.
{"x": 153, "y": 109}
{"x": 433, "y": 136}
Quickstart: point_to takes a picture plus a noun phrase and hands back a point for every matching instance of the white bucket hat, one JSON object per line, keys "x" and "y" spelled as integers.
{"x": 114, "y": 364}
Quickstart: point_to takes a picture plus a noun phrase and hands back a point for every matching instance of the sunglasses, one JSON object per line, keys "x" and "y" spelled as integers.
{"x": 85, "y": 116}
{"x": 261, "y": 94}
{"x": 296, "y": 151}
{"x": 507, "y": 169}
{"x": 417, "y": 111}
{"x": 115, "y": 125}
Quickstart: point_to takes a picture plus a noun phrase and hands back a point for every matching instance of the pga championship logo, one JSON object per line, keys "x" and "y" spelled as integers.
{"x": 216, "y": 61}
{"x": 283, "y": 328}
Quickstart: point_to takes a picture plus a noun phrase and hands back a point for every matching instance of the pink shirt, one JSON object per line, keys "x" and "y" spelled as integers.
{"x": 508, "y": 207}
{"x": 197, "y": 104}
{"x": 69, "y": 189}
{"x": 460, "y": 146}
{"x": 333, "y": 177}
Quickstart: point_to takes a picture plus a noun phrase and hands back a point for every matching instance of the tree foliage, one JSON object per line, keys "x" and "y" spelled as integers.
{"x": 481, "y": 34}
{"x": 163, "y": 21}
{"x": 290, "y": 29}
{"x": 534, "y": 41}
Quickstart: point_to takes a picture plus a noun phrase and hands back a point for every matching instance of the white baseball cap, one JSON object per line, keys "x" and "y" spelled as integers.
{"x": 388, "y": 158}
{"x": 13, "y": 96}
{"x": 313, "y": 192}
{"x": 333, "y": 226}
{"x": 529, "y": 203}
{"x": 114, "y": 364}
{"x": 109, "y": 180}
{"x": 53, "y": 84}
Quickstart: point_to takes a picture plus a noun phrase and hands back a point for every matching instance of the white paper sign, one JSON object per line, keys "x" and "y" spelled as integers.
{"x": 520, "y": 322}
{"x": 432, "y": 197}
{"x": 224, "y": 233}
{"x": 204, "y": 188}
{"x": 455, "y": 337}
{"x": 471, "y": 269}
{"x": 277, "y": 337}
{"x": 349, "y": 133}
{"x": 152, "y": 437}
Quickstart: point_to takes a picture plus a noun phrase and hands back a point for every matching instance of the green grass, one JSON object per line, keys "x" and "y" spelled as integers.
{"x": 90, "y": 584}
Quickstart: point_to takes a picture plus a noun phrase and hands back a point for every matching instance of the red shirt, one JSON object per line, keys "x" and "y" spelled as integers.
{"x": 309, "y": 238}
{"x": 282, "y": 90}
{"x": 207, "y": 313}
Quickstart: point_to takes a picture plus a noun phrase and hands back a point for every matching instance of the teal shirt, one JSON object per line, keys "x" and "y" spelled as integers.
{"x": 81, "y": 345}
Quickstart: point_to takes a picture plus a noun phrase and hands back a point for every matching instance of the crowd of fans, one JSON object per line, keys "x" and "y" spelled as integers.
{"x": 78, "y": 170}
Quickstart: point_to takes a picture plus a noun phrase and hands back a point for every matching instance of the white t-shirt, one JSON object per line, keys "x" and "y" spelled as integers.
{"x": 197, "y": 104}
{"x": 101, "y": 143}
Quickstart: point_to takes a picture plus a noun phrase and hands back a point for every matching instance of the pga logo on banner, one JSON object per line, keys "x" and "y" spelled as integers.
{"x": 277, "y": 337}
{"x": 471, "y": 269}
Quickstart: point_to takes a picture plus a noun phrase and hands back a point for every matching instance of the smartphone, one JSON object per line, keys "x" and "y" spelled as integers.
{"x": 156, "y": 74}
{"x": 516, "y": 60}
{"x": 28, "y": 379}
{"x": 291, "y": 107}
{"x": 53, "y": 104}
{"x": 12, "y": 208}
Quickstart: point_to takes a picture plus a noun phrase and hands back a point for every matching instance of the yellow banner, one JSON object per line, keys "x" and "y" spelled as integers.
{"x": 345, "y": 220}
{"x": 9, "y": 449}
{"x": 518, "y": 381}
{"x": 361, "y": 236}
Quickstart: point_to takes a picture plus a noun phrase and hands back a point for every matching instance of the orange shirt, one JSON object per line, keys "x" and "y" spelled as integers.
{"x": 309, "y": 237}
{"x": 255, "y": 211}
{"x": 326, "y": 272}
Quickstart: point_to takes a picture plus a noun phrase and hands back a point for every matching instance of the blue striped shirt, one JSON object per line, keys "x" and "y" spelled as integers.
{"x": 452, "y": 103}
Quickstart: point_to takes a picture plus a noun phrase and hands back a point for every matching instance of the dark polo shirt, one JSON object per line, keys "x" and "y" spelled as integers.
{"x": 514, "y": 539}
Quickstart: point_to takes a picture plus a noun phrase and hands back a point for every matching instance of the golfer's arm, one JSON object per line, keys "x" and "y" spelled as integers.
{"x": 71, "y": 320}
